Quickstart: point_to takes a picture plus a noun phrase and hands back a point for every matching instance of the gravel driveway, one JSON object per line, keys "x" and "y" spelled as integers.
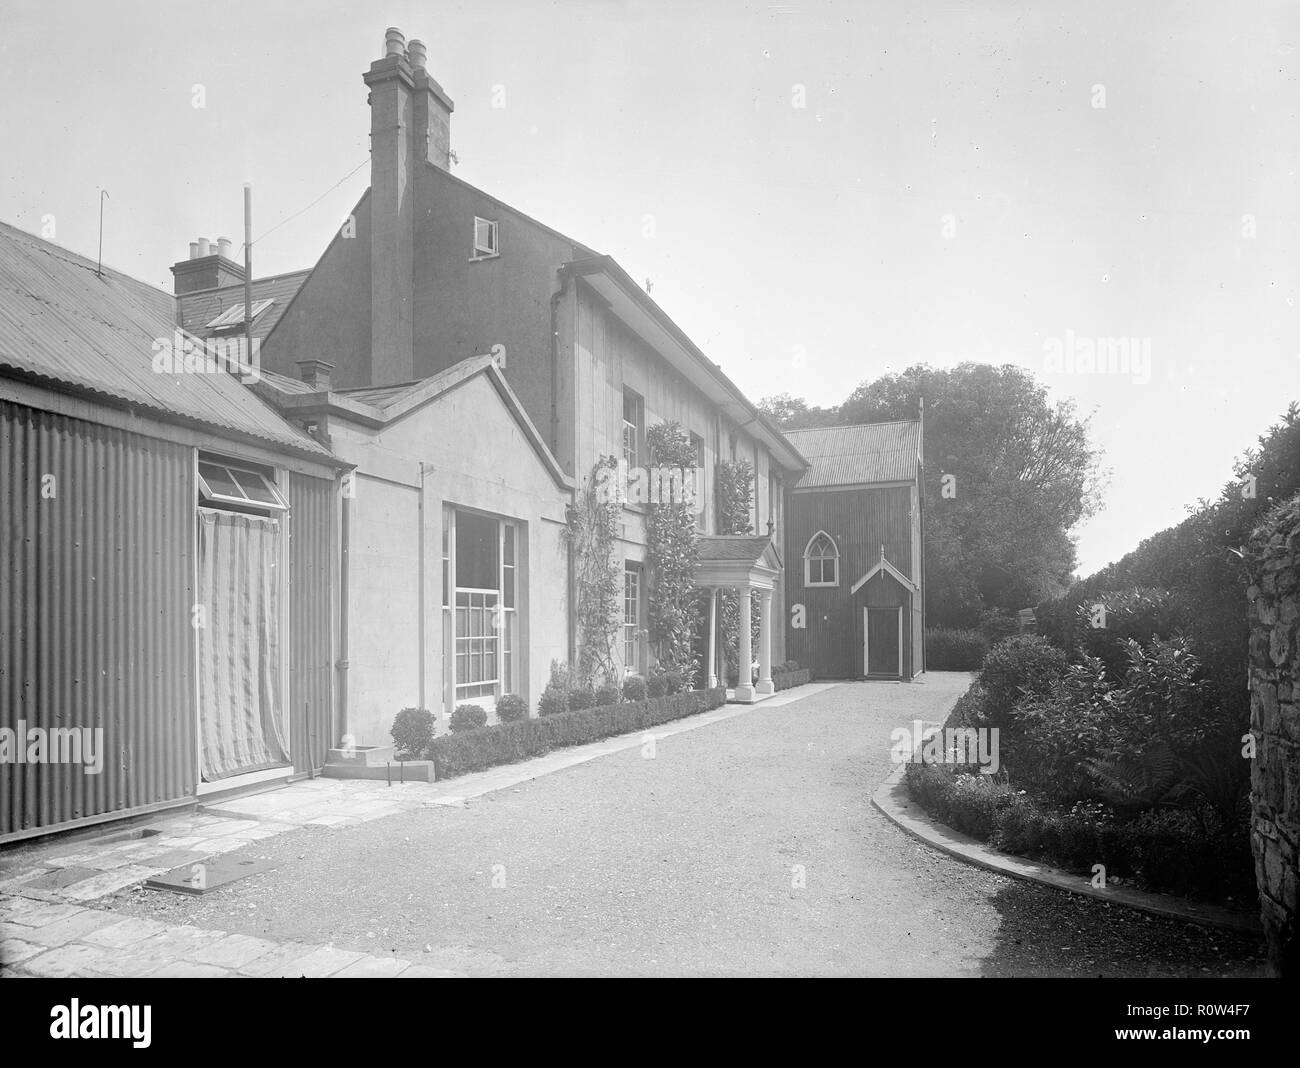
{"x": 744, "y": 847}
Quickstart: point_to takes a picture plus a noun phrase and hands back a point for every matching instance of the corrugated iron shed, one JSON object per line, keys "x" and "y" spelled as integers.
{"x": 858, "y": 455}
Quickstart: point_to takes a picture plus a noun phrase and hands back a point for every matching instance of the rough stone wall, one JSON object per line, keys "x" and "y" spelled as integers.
{"x": 1275, "y": 722}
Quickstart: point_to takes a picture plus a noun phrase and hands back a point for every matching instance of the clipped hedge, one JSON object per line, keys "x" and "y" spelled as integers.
{"x": 784, "y": 679}
{"x": 954, "y": 650}
{"x": 1169, "y": 850}
{"x": 504, "y": 743}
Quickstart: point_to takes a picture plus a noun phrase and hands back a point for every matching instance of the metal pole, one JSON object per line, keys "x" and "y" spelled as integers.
{"x": 248, "y": 274}
{"x": 99, "y": 265}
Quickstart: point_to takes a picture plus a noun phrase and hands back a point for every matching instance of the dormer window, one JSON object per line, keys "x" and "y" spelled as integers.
{"x": 821, "y": 561}
{"x": 485, "y": 238}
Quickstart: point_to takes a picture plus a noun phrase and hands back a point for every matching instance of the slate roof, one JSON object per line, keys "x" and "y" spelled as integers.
{"x": 723, "y": 547}
{"x": 854, "y": 455}
{"x": 196, "y": 310}
{"x": 62, "y": 324}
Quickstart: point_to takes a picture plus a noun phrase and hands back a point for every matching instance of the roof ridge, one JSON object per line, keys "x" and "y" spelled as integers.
{"x": 850, "y": 426}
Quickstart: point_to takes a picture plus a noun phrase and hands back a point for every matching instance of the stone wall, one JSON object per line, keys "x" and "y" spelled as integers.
{"x": 1274, "y": 558}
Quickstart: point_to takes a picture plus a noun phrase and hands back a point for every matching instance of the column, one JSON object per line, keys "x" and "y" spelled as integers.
{"x": 744, "y": 685}
{"x": 713, "y": 638}
{"x": 765, "y": 643}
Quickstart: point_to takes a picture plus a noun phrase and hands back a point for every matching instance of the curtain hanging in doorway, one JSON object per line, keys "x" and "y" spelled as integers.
{"x": 240, "y": 721}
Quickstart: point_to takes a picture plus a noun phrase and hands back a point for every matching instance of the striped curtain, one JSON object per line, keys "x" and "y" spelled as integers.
{"x": 239, "y": 644}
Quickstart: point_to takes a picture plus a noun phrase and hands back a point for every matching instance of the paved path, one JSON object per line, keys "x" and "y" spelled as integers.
{"x": 747, "y": 845}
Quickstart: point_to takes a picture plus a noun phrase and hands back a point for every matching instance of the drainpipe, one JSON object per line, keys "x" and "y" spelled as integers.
{"x": 562, "y": 276}
{"x": 342, "y": 663}
{"x": 423, "y": 549}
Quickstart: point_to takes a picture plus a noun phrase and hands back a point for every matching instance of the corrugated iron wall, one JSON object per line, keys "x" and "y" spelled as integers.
{"x": 312, "y": 504}
{"x": 95, "y": 595}
{"x": 860, "y": 521}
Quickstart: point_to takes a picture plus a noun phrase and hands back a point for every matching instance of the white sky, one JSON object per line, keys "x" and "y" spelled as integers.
{"x": 777, "y": 230}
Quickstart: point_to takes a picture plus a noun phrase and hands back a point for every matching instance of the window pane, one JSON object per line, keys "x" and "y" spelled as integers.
{"x": 219, "y": 480}
{"x": 476, "y": 552}
{"x": 254, "y": 487}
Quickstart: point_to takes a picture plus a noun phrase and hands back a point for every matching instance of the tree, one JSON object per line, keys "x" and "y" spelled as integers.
{"x": 793, "y": 413}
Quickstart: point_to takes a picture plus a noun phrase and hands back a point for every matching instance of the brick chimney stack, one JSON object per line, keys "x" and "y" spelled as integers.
{"x": 410, "y": 124}
{"x": 209, "y": 266}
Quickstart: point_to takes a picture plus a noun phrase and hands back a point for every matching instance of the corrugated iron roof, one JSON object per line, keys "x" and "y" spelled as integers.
{"x": 853, "y": 455}
{"x": 198, "y": 309}
{"x": 61, "y": 322}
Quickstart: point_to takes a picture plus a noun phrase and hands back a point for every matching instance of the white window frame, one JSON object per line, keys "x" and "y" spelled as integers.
{"x": 632, "y": 630}
{"x": 493, "y": 246}
{"x": 808, "y": 559}
{"x": 212, "y": 498}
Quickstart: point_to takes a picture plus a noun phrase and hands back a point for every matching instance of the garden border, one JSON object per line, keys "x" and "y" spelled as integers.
{"x": 893, "y": 802}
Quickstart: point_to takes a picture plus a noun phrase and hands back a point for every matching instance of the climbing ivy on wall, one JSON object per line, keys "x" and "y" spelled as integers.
{"x": 592, "y": 529}
{"x": 672, "y": 550}
{"x": 734, "y": 488}
{"x": 735, "y": 496}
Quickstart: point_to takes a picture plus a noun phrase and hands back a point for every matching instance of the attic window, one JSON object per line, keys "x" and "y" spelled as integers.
{"x": 485, "y": 238}
{"x": 234, "y": 315}
{"x": 238, "y": 488}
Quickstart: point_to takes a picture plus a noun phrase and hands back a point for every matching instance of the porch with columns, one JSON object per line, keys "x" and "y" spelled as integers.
{"x": 746, "y": 564}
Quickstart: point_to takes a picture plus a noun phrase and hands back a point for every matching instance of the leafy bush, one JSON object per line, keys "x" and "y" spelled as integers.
{"x": 608, "y": 693}
{"x": 555, "y": 695}
{"x": 468, "y": 718}
{"x": 674, "y": 682}
{"x": 995, "y": 625}
{"x": 1171, "y": 850}
{"x": 1014, "y": 668}
{"x": 634, "y": 688}
{"x": 412, "y": 731}
{"x": 581, "y": 697}
{"x": 656, "y": 684}
{"x": 554, "y": 699}
{"x": 512, "y": 708}
{"x": 954, "y": 650}
{"x": 967, "y": 803}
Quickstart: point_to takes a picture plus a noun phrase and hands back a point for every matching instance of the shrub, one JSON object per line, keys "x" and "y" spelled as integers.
{"x": 512, "y": 708}
{"x": 412, "y": 731}
{"x": 634, "y": 688}
{"x": 674, "y": 682}
{"x": 995, "y": 625}
{"x": 554, "y": 699}
{"x": 581, "y": 697}
{"x": 656, "y": 684}
{"x": 954, "y": 650}
{"x": 1014, "y": 668}
{"x": 609, "y": 693}
{"x": 468, "y": 718}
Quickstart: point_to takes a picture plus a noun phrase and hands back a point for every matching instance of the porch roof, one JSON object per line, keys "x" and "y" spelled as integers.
{"x": 737, "y": 560}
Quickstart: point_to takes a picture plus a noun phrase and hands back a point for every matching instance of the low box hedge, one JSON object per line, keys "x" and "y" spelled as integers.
{"x": 1168, "y": 850}
{"x": 504, "y": 743}
{"x": 783, "y": 680}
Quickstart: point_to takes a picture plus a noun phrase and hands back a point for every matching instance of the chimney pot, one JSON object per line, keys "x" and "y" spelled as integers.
{"x": 223, "y": 247}
{"x": 316, "y": 373}
{"x": 394, "y": 42}
{"x": 194, "y": 250}
{"x": 204, "y": 249}
{"x": 417, "y": 55}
